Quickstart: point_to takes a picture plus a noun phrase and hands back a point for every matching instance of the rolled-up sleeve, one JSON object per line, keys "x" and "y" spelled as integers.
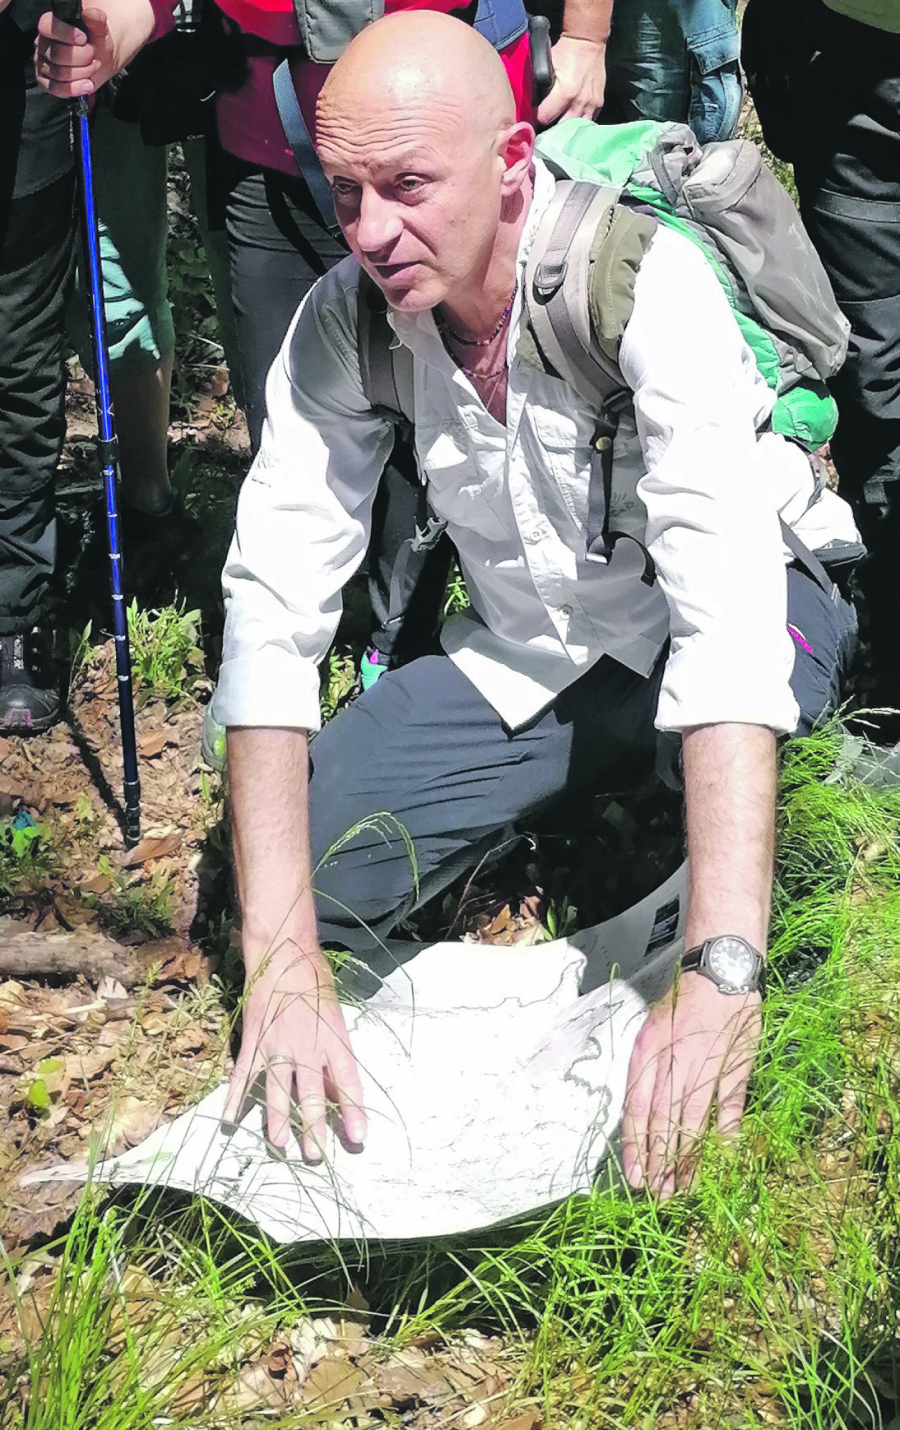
{"x": 303, "y": 516}
{"x": 712, "y": 529}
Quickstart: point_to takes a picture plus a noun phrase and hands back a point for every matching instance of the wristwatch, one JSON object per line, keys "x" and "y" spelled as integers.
{"x": 730, "y": 962}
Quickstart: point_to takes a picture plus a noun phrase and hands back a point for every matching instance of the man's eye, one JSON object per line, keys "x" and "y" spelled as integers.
{"x": 343, "y": 189}
{"x": 410, "y": 184}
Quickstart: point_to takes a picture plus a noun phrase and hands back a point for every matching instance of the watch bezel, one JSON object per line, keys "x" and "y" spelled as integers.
{"x": 697, "y": 960}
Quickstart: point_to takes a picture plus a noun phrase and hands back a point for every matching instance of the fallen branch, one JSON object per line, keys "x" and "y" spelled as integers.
{"x": 27, "y": 953}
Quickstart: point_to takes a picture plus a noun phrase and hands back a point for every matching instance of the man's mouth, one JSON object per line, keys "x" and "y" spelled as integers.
{"x": 387, "y": 271}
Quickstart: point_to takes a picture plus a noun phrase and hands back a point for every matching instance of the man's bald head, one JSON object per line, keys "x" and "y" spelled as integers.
{"x": 419, "y": 59}
{"x": 430, "y": 170}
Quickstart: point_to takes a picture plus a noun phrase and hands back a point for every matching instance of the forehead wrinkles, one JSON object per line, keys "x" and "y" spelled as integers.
{"x": 373, "y": 135}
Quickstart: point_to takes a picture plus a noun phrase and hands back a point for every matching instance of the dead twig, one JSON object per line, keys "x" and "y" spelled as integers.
{"x": 26, "y": 953}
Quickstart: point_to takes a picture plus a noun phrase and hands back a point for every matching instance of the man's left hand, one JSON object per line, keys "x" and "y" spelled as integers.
{"x": 696, "y": 1049}
{"x": 579, "y": 67}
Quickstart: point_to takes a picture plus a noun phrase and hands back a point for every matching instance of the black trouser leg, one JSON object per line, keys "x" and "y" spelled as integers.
{"x": 36, "y": 268}
{"x": 422, "y": 749}
{"x": 277, "y": 252}
{"x": 425, "y": 749}
{"x": 847, "y": 168}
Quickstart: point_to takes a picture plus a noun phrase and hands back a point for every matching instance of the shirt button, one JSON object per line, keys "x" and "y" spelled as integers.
{"x": 534, "y": 536}
{"x": 565, "y": 610}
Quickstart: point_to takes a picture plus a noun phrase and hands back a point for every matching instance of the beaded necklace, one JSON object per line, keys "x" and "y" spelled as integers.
{"x": 447, "y": 331}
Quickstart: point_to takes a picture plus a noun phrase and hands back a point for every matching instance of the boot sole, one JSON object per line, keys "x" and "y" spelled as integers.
{"x": 28, "y": 724}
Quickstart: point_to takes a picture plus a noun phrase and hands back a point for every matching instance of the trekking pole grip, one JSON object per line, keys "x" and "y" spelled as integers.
{"x": 541, "y": 58}
{"x": 69, "y": 11}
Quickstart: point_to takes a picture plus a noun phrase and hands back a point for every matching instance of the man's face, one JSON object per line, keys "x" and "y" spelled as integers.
{"x": 417, "y": 195}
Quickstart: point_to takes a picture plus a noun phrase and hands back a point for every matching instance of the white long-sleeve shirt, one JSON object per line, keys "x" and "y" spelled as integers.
{"x": 692, "y": 478}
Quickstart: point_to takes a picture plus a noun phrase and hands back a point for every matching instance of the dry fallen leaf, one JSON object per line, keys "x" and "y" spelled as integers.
{"x": 407, "y": 1386}
{"x": 475, "y": 1416}
{"x": 109, "y": 988}
{"x": 531, "y": 1420}
{"x": 330, "y": 1383}
{"x": 279, "y": 1358}
{"x": 153, "y": 743}
{"x": 133, "y": 1119}
{"x": 152, "y": 847}
{"x": 99, "y": 884}
{"x": 253, "y": 1389}
{"x": 184, "y": 965}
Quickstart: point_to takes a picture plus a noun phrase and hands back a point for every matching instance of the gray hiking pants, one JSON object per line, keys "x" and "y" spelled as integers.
{"x": 423, "y": 747}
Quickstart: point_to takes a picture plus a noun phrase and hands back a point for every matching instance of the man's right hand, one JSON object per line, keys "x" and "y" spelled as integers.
{"x": 294, "y": 1033}
{"x": 71, "y": 60}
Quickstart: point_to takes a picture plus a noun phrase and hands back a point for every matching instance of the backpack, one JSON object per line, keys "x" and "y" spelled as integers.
{"x": 615, "y": 184}
{"x": 721, "y": 197}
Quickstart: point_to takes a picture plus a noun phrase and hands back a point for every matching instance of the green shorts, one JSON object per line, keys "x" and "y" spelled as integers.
{"x": 130, "y": 193}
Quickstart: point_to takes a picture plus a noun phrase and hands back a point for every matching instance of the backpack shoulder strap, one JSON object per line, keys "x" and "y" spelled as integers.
{"x": 579, "y": 284}
{"x": 385, "y": 365}
{"x": 579, "y": 288}
{"x": 302, "y": 147}
{"x": 386, "y": 372}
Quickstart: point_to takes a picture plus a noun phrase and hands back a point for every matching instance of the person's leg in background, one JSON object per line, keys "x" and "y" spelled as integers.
{"x": 675, "y": 60}
{"x": 130, "y": 192}
{"x": 36, "y": 267}
{"x": 277, "y": 250}
{"x": 846, "y": 117}
{"x": 200, "y": 155}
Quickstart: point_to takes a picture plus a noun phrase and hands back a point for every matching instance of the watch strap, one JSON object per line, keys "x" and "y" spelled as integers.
{"x": 690, "y": 959}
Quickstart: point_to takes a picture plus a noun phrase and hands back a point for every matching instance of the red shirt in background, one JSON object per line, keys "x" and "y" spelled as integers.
{"x": 248, "y": 121}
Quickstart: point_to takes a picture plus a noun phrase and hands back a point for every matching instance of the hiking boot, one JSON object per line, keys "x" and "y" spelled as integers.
{"x": 213, "y": 742}
{"x": 25, "y": 707}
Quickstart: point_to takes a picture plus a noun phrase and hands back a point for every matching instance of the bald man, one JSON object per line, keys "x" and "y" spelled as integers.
{"x": 555, "y": 677}
{"x": 563, "y": 672}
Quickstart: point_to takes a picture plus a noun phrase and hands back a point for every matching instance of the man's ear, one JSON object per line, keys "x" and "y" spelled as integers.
{"x": 517, "y": 148}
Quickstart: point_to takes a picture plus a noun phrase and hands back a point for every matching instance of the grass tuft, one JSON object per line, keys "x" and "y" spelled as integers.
{"x": 167, "y": 662}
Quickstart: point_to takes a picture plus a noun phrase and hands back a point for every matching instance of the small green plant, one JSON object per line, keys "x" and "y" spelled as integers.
{"x": 165, "y": 656}
{"x": 27, "y": 855}
{"x": 79, "y": 650}
{"x": 456, "y": 596}
{"x": 133, "y": 903}
{"x": 560, "y": 919}
{"x": 338, "y": 682}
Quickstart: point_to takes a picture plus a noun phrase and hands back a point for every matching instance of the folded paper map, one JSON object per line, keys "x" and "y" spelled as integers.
{"x": 493, "y": 1079}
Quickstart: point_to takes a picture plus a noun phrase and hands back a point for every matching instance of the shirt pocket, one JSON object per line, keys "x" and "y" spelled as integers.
{"x": 466, "y": 492}
{"x": 564, "y": 444}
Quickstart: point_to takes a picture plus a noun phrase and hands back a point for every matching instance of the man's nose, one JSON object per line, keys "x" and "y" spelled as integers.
{"x": 379, "y": 224}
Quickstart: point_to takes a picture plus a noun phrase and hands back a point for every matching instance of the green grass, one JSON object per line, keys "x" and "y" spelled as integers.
{"x": 165, "y": 657}
{"x": 766, "y": 1295}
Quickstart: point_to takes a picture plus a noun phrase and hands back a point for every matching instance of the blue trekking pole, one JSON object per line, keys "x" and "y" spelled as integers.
{"x": 69, "y": 11}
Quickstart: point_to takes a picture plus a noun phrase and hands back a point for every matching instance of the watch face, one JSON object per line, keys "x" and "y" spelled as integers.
{"x": 731, "y": 961}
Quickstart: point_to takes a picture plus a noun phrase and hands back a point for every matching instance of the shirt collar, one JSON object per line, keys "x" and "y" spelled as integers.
{"x": 418, "y": 331}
